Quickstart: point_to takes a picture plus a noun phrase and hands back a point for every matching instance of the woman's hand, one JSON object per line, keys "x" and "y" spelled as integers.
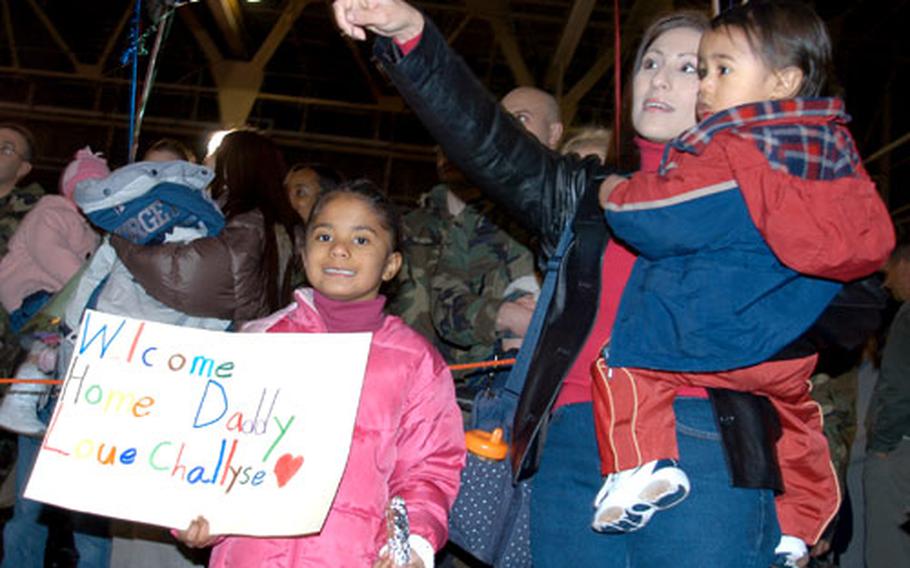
{"x": 390, "y": 18}
{"x": 821, "y": 548}
{"x": 197, "y": 534}
{"x": 385, "y": 561}
{"x": 515, "y": 317}
{"x": 607, "y": 187}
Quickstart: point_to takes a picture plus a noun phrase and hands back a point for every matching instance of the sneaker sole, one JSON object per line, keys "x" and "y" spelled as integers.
{"x": 665, "y": 496}
{"x": 662, "y": 494}
{"x": 657, "y": 496}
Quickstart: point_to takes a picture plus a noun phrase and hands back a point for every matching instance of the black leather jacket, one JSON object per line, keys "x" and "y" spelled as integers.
{"x": 545, "y": 191}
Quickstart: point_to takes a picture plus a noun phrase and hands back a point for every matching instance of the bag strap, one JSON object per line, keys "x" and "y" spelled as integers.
{"x": 515, "y": 382}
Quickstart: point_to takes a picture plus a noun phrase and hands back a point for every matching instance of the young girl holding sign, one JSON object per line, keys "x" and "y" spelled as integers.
{"x": 408, "y": 437}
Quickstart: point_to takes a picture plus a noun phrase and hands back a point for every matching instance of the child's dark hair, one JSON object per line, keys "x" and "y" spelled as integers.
{"x": 368, "y": 191}
{"x": 784, "y": 34}
{"x": 173, "y": 146}
{"x": 328, "y": 177}
{"x": 249, "y": 175}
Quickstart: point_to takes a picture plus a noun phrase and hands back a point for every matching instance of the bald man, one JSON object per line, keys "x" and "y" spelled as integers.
{"x": 538, "y": 112}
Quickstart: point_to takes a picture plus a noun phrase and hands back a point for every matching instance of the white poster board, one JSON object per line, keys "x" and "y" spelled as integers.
{"x": 159, "y": 424}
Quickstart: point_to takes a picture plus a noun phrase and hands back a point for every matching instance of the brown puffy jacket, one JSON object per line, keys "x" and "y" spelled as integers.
{"x": 221, "y": 277}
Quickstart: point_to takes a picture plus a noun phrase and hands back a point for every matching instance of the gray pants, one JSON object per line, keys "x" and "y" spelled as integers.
{"x": 886, "y": 485}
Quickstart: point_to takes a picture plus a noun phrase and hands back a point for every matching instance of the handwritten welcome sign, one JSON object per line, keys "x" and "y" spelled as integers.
{"x": 158, "y": 424}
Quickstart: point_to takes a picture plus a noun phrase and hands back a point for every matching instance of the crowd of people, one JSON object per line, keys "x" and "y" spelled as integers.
{"x": 724, "y": 258}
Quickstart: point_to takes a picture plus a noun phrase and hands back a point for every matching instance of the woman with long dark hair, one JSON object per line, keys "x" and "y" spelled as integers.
{"x": 239, "y": 274}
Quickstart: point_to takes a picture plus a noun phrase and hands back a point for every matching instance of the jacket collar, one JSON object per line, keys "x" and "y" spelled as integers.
{"x": 435, "y": 199}
{"x": 765, "y": 113}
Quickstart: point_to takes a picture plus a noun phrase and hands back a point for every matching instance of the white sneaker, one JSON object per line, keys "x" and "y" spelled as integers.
{"x": 789, "y": 551}
{"x": 628, "y": 499}
{"x": 19, "y": 408}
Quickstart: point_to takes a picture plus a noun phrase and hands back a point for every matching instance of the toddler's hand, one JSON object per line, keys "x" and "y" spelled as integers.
{"x": 821, "y": 547}
{"x": 607, "y": 187}
{"x": 197, "y": 534}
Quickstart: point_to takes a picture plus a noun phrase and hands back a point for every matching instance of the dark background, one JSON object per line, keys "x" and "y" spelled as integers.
{"x": 323, "y": 100}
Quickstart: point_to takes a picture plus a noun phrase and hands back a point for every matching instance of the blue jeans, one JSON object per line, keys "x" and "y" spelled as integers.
{"x": 25, "y": 534}
{"x": 685, "y": 536}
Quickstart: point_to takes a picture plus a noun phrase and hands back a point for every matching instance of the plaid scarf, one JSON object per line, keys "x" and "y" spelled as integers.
{"x": 803, "y": 136}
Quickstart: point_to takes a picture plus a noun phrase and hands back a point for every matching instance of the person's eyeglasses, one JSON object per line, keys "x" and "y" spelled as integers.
{"x": 7, "y": 149}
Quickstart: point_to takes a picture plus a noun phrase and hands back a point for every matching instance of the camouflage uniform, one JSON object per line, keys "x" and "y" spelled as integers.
{"x": 423, "y": 232}
{"x": 456, "y": 273}
{"x": 13, "y": 208}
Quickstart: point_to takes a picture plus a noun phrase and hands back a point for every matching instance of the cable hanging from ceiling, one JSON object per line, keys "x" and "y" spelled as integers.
{"x": 161, "y": 14}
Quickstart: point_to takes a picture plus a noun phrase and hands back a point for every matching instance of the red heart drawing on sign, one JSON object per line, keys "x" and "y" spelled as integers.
{"x": 286, "y": 467}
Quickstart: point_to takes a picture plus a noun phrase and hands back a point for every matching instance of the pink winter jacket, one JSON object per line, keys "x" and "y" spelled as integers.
{"x": 408, "y": 440}
{"x": 48, "y": 248}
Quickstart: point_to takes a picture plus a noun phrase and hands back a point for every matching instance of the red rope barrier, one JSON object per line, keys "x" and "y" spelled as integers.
{"x": 482, "y": 365}
{"x": 459, "y": 367}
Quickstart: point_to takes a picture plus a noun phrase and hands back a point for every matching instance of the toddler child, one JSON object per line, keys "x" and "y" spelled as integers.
{"x": 50, "y": 245}
{"x": 408, "y": 437}
{"x": 755, "y": 218}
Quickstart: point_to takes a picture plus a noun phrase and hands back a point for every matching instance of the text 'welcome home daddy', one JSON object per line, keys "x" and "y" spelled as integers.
{"x": 172, "y": 457}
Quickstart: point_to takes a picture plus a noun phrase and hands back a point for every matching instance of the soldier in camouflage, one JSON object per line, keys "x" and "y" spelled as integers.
{"x": 16, "y": 148}
{"x": 468, "y": 283}
{"x": 423, "y": 232}
{"x": 461, "y": 269}
{"x": 484, "y": 289}
{"x": 16, "y": 151}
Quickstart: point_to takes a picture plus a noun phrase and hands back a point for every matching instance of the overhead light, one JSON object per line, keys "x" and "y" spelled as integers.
{"x": 215, "y": 141}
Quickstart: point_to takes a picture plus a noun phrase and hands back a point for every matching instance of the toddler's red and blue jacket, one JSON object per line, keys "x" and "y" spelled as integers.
{"x": 745, "y": 234}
